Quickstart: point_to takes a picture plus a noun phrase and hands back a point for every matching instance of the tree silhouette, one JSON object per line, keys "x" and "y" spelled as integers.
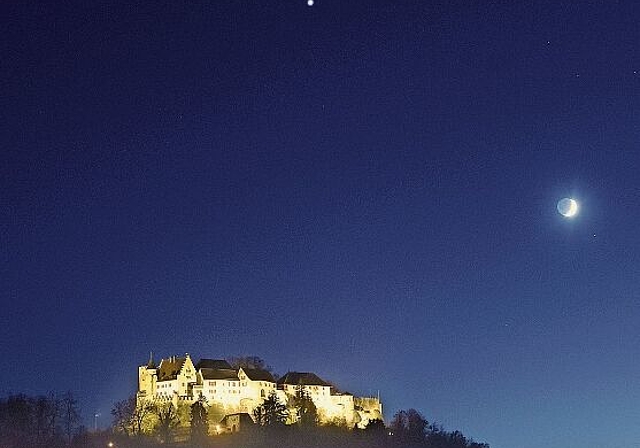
{"x": 409, "y": 428}
{"x": 30, "y": 422}
{"x": 168, "y": 421}
{"x": 306, "y": 412}
{"x": 69, "y": 415}
{"x": 199, "y": 422}
{"x": 131, "y": 416}
{"x": 250, "y": 362}
{"x": 376, "y": 425}
{"x": 271, "y": 413}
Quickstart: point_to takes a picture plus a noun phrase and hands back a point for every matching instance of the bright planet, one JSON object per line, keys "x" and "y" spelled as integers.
{"x": 567, "y": 207}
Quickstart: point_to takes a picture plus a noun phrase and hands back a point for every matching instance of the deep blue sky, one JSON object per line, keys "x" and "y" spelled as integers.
{"x": 365, "y": 190}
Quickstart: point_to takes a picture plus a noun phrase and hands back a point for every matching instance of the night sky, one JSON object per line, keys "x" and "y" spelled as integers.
{"x": 365, "y": 190}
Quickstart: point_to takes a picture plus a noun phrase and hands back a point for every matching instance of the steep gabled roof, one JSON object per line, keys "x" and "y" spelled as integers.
{"x": 219, "y": 374}
{"x": 169, "y": 368}
{"x": 259, "y": 375}
{"x": 302, "y": 378}
{"x": 243, "y": 416}
{"x": 213, "y": 364}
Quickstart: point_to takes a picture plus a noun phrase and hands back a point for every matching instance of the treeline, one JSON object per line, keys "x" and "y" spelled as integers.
{"x": 410, "y": 429}
{"x": 43, "y": 421}
{"x": 376, "y": 435}
{"x": 53, "y": 421}
{"x": 315, "y": 437}
{"x": 407, "y": 429}
{"x": 294, "y": 424}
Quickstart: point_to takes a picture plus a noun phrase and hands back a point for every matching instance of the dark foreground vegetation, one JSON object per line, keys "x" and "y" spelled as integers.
{"x": 54, "y": 422}
{"x": 43, "y": 421}
{"x": 319, "y": 437}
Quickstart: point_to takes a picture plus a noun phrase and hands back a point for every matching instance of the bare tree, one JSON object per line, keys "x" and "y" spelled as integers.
{"x": 409, "y": 427}
{"x": 69, "y": 415}
{"x": 27, "y": 422}
{"x": 130, "y": 416}
{"x": 250, "y": 362}
{"x": 45, "y": 409}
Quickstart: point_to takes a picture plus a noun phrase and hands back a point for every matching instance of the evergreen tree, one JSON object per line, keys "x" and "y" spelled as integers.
{"x": 199, "y": 421}
{"x": 306, "y": 412}
{"x": 168, "y": 421}
{"x": 271, "y": 413}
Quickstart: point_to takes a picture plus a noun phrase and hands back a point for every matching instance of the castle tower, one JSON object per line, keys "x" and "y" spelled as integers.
{"x": 147, "y": 378}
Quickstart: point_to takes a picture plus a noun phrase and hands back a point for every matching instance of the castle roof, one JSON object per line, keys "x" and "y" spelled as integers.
{"x": 219, "y": 374}
{"x": 169, "y": 368}
{"x": 302, "y": 378}
{"x": 213, "y": 364}
{"x": 259, "y": 375}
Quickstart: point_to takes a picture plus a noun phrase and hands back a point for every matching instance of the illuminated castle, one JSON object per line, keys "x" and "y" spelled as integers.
{"x": 228, "y": 390}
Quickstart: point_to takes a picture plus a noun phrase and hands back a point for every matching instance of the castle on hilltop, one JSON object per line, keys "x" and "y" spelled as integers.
{"x": 232, "y": 391}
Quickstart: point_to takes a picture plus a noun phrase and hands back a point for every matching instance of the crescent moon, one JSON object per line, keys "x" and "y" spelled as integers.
{"x": 568, "y": 207}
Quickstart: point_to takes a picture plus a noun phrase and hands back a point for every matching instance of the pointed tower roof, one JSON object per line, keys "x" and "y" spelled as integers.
{"x": 151, "y": 364}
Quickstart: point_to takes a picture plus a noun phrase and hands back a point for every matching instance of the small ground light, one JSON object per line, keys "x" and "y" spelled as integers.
{"x": 310, "y": 2}
{"x": 110, "y": 444}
